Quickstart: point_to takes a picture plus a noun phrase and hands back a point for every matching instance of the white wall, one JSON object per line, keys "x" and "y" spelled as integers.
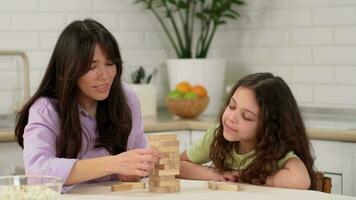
{"x": 310, "y": 43}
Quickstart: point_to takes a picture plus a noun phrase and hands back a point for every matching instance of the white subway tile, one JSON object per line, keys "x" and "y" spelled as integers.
{"x": 130, "y": 39}
{"x": 19, "y": 40}
{"x": 48, "y": 40}
{"x": 345, "y": 74}
{"x": 334, "y": 16}
{"x": 157, "y": 39}
{"x": 303, "y": 93}
{"x": 144, "y": 57}
{"x": 334, "y": 55}
{"x": 311, "y": 3}
{"x": 10, "y": 80}
{"x": 106, "y": 19}
{"x": 300, "y": 17}
{"x": 313, "y": 74}
{"x": 336, "y": 94}
{"x": 282, "y": 71}
{"x": 290, "y": 55}
{"x": 345, "y": 35}
{"x": 250, "y": 19}
{"x": 39, "y": 59}
{"x": 270, "y": 4}
{"x": 64, "y": 5}
{"x": 36, "y": 76}
{"x": 270, "y": 37}
{"x": 138, "y": 21}
{"x": 117, "y": 5}
{"x": 7, "y": 102}
{"x": 6, "y": 63}
{"x": 18, "y": 5}
{"x": 5, "y": 21}
{"x": 38, "y": 21}
{"x": 312, "y": 36}
{"x": 344, "y": 2}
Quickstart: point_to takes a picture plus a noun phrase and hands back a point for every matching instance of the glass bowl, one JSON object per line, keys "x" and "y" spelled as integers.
{"x": 30, "y": 187}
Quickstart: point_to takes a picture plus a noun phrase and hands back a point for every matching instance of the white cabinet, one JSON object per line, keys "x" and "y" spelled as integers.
{"x": 10, "y": 154}
{"x": 328, "y": 156}
{"x": 349, "y": 167}
{"x": 328, "y": 159}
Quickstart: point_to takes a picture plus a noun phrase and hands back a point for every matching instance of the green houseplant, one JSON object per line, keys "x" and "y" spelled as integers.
{"x": 182, "y": 16}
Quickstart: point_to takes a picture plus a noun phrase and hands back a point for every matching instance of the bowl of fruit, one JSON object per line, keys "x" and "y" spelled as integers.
{"x": 187, "y": 101}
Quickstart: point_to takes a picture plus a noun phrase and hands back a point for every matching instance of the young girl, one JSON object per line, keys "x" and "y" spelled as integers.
{"x": 83, "y": 122}
{"x": 261, "y": 139}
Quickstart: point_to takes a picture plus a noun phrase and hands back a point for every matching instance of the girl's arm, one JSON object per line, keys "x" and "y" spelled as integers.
{"x": 134, "y": 162}
{"x": 190, "y": 170}
{"x": 293, "y": 175}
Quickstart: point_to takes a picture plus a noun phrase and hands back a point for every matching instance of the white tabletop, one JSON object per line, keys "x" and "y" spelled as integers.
{"x": 197, "y": 190}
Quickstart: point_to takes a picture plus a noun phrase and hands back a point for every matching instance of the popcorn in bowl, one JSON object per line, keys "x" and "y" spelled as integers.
{"x": 30, "y": 187}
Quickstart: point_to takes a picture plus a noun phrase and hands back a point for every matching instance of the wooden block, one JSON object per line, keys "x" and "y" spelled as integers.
{"x": 171, "y": 155}
{"x": 212, "y": 185}
{"x": 167, "y": 149}
{"x": 173, "y": 183}
{"x": 170, "y": 165}
{"x": 168, "y": 172}
{"x": 136, "y": 185}
{"x": 121, "y": 187}
{"x": 168, "y": 143}
{"x": 164, "y": 161}
{"x": 162, "y": 136}
{"x": 161, "y": 178}
{"x": 228, "y": 186}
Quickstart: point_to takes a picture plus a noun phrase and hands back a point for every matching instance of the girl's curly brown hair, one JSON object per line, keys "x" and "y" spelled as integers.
{"x": 280, "y": 129}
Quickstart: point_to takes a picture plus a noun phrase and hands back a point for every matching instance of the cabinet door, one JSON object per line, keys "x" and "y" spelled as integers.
{"x": 349, "y": 168}
{"x": 10, "y": 154}
{"x": 182, "y": 136}
{"x": 328, "y": 156}
{"x": 336, "y": 181}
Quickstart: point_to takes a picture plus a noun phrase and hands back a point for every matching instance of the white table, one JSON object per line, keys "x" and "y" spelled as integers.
{"x": 198, "y": 190}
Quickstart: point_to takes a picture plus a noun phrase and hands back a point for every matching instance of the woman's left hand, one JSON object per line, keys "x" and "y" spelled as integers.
{"x": 128, "y": 178}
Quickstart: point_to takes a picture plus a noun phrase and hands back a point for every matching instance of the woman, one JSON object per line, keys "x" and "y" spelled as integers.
{"x": 83, "y": 122}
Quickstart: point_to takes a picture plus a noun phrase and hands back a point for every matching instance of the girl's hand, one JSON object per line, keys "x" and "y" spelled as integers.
{"x": 137, "y": 162}
{"x": 217, "y": 175}
{"x": 232, "y": 176}
{"x": 128, "y": 178}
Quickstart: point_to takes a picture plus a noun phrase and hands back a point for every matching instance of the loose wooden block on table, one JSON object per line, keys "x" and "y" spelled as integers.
{"x": 228, "y": 186}
{"x": 124, "y": 186}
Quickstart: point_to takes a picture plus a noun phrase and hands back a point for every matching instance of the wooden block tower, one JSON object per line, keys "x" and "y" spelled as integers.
{"x": 162, "y": 178}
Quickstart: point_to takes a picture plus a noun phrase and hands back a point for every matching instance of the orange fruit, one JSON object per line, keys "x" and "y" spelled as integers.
{"x": 200, "y": 90}
{"x": 183, "y": 87}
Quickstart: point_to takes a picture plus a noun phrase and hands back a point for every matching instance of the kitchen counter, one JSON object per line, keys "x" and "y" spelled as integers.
{"x": 320, "y": 125}
{"x": 198, "y": 189}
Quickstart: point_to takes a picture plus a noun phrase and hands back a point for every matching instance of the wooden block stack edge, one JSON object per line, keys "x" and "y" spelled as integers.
{"x": 228, "y": 186}
{"x": 162, "y": 178}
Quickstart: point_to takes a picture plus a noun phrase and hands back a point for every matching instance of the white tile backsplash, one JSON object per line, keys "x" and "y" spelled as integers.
{"x": 309, "y": 43}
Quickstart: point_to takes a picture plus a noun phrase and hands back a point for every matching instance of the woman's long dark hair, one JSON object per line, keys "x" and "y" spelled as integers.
{"x": 70, "y": 60}
{"x": 280, "y": 129}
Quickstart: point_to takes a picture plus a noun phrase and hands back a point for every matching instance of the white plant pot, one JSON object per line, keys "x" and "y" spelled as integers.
{"x": 207, "y": 72}
{"x": 147, "y": 95}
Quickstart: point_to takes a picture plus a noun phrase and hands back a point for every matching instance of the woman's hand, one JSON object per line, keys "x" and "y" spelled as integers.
{"x": 128, "y": 178}
{"x": 137, "y": 162}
